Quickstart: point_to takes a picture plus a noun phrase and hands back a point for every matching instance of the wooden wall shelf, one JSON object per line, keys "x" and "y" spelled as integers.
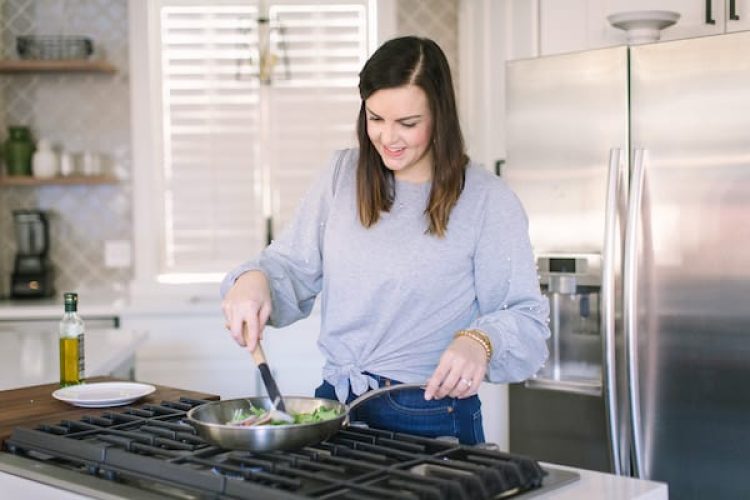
{"x": 56, "y": 66}
{"x": 20, "y": 180}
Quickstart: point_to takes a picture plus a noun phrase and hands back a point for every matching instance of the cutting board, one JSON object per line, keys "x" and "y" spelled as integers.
{"x": 31, "y": 406}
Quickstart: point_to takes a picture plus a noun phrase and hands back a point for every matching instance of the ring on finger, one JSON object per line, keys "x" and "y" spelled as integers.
{"x": 466, "y": 381}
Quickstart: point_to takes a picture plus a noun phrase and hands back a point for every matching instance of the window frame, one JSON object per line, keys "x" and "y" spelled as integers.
{"x": 148, "y": 146}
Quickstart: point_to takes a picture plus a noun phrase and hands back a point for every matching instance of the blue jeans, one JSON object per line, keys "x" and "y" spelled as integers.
{"x": 407, "y": 411}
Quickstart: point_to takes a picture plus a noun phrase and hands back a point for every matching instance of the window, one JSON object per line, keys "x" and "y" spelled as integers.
{"x": 251, "y": 105}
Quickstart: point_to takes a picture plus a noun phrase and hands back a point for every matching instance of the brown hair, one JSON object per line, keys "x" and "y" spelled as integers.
{"x": 412, "y": 61}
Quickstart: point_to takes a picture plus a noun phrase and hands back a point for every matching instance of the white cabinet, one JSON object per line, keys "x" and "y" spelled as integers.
{"x": 574, "y": 25}
{"x": 30, "y": 353}
{"x": 737, "y": 15}
{"x": 294, "y": 357}
{"x": 193, "y": 350}
{"x": 697, "y": 17}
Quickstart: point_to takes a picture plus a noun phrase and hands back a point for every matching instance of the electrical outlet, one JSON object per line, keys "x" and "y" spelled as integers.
{"x": 117, "y": 253}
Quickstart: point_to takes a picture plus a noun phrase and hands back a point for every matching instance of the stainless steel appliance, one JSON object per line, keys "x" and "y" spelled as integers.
{"x": 152, "y": 452}
{"x": 32, "y": 273}
{"x": 634, "y": 166}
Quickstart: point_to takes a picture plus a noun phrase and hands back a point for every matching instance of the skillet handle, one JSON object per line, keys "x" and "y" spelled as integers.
{"x": 378, "y": 392}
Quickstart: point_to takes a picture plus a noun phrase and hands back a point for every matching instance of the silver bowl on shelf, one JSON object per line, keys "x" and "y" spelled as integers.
{"x": 54, "y": 47}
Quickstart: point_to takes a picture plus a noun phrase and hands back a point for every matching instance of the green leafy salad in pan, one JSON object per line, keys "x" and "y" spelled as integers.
{"x": 254, "y": 416}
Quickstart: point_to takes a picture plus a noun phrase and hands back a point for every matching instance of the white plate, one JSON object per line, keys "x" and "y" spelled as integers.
{"x": 103, "y": 394}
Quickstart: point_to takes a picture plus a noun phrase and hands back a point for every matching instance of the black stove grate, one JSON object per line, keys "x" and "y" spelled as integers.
{"x": 152, "y": 447}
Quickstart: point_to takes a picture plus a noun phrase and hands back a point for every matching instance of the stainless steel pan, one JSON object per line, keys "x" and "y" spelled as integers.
{"x": 209, "y": 421}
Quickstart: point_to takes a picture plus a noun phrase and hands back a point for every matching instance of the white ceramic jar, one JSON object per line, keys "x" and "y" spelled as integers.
{"x": 67, "y": 164}
{"x": 44, "y": 161}
{"x": 91, "y": 163}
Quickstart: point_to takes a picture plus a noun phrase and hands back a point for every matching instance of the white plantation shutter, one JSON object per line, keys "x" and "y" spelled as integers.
{"x": 314, "y": 99}
{"x": 236, "y": 152}
{"x": 210, "y": 102}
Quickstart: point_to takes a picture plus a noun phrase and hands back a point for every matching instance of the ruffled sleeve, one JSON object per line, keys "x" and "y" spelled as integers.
{"x": 293, "y": 263}
{"x": 512, "y": 310}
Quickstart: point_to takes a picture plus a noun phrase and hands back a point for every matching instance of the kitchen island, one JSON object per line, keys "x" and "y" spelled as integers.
{"x": 598, "y": 485}
{"x": 591, "y": 486}
{"x": 21, "y": 477}
{"x": 31, "y": 356}
{"x": 32, "y": 406}
{"x": 93, "y": 305}
{"x": 29, "y": 336}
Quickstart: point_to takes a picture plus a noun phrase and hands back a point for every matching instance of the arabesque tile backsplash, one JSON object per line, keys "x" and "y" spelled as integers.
{"x": 77, "y": 112}
{"x": 90, "y": 112}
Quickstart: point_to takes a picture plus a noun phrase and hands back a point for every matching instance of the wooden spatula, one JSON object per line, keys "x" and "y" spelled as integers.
{"x": 265, "y": 372}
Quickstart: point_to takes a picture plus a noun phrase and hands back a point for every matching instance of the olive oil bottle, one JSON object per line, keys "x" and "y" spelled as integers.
{"x": 72, "y": 359}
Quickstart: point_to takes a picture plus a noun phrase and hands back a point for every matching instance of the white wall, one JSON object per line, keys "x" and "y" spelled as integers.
{"x": 491, "y": 32}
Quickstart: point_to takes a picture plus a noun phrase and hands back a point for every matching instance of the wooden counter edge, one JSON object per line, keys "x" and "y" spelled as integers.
{"x": 34, "y": 405}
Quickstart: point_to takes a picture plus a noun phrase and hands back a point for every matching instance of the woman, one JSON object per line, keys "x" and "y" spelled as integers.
{"x": 421, "y": 258}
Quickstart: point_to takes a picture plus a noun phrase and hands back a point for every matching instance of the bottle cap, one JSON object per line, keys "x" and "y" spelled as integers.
{"x": 71, "y": 301}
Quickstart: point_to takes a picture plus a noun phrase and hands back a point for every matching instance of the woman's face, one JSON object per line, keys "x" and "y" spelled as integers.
{"x": 399, "y": 124}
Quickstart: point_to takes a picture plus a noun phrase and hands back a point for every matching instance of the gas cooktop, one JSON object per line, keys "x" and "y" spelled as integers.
{"x": 151, "y": 450}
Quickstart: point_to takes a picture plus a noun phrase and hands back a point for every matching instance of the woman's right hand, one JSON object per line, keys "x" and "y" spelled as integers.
{"x": 248, "y": 302}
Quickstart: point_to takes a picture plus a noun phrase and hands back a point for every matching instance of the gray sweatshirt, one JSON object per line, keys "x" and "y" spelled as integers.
{"x": 393, "y": 296}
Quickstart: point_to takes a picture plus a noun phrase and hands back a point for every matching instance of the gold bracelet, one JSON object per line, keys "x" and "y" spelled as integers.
{"x": 480, "y": 337}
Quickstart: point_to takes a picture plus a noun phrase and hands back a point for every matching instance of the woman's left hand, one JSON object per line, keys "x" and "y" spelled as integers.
{"x": 460, "y": 371}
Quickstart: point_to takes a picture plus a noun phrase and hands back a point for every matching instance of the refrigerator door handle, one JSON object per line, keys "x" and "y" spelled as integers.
{"x": 630, "y": 300}
{"x": 609, "y": 254}
{"x": 582, "y": 387}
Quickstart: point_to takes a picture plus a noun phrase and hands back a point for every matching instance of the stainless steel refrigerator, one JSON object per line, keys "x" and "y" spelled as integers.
{"x": 633, "y": 164}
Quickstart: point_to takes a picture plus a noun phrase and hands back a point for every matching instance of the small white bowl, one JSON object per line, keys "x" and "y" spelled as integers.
{"x": 643, "y": 26}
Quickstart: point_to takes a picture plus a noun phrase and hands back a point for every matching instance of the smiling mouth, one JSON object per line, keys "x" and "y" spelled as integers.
{"x": 394, "y": 151}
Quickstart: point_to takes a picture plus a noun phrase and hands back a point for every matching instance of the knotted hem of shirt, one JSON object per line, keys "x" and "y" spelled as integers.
{"x": 342, "y": 378}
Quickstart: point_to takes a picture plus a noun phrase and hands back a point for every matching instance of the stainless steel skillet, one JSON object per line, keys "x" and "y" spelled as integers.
{"x": 209, "y": 421}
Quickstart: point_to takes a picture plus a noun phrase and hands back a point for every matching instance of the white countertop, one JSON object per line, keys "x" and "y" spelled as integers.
{"x": 594, "y": 485}
{"x": 106, "y": 304}
{"x": 591, "y": 486}
{"x": 31, "y": 357}
{"x": 89, "y": 306}
{"x": 14, "y": 487}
